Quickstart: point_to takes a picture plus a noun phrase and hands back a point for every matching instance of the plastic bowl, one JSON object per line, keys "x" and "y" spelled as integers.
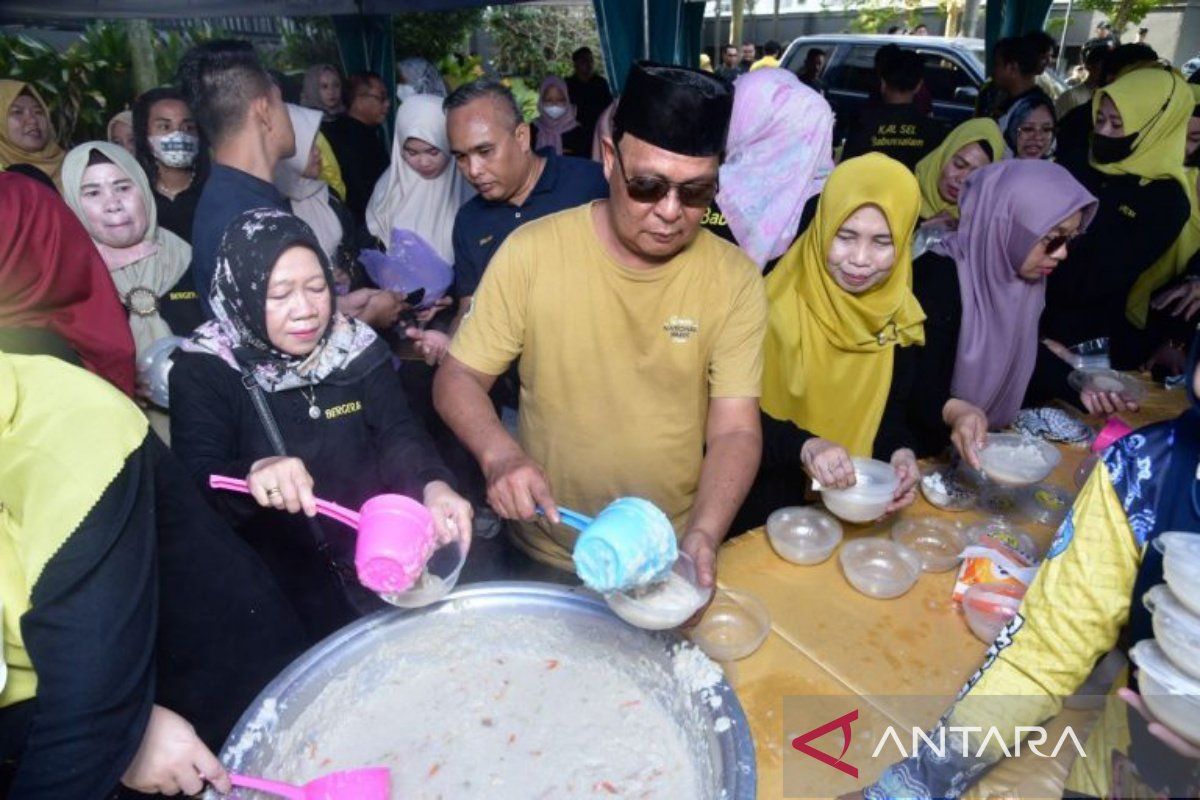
{"x": 1012, "y": 459}
{"x": 154, "y": 369}
{"x": 733, "y": 627}
{"x": 949, "y": 489}
{"x": 1092, "y": 354}
{"x": 1172, "y": 697}
{"x": 1084, "y": 471}
{"x": 1176, "y": 629}
{"x": 1006, "y": 534}
{"x": 1181, "y": 566}
{"x": 664, "y": 604}
{"x": 803, "y": 535}
{"x": 875, "y": 484}
{"x": 1129, "y": 389}
{"x": 1046, "y": 505}
{"x": 880, "y": 568}
{"x": 1002, "y": 502}
{"x": 988, "y": 607}
{"x": 937, "y": 542}
{"x": 438, "y": 580}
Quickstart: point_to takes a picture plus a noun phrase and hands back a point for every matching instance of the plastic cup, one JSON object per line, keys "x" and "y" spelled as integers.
{"x": 629, "y": 543}
{"x": 395, "y": 539}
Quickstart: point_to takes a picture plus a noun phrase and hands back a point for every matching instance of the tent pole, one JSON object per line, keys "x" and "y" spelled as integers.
{"x": 1062, "y": 43}
{"x": 646, "y": 29}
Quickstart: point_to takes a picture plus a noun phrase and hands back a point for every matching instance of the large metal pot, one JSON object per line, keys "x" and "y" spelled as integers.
{"x": 725, "y": 750}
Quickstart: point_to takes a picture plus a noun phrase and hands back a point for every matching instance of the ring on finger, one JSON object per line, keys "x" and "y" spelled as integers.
{"x": 274, "y": 492}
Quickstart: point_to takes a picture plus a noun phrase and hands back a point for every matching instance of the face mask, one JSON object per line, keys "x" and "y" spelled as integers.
{"x": 176, "y": 149}
{"x": 1111, "y": 149}
{"x": 554, "y": 112}
{"x": 404, "y": 91}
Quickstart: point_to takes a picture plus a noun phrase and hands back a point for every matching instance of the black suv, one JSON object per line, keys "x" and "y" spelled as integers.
{"x": 953, "y": 72}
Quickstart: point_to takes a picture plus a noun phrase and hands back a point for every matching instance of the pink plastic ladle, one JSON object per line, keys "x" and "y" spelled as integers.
{"x": 395, "y": 536}
{"x": 367, "y": 783}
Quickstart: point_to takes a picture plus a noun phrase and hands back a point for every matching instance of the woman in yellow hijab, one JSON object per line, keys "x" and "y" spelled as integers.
{"x": 1177, "y": 303}
{"x": 1136, "y": 171}
{"x": 973, "y": 144}
{"x": 27, "y": 136}
{"x": 837, "y": 362}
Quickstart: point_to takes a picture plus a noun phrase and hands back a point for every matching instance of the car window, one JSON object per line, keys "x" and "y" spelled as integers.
{"x": 943, "y": 76}
{"x": 796, "y": 61}
{"x": 856, "y": 73}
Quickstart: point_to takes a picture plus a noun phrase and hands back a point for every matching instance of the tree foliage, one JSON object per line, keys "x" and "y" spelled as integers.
{"x": 536, "y": 42}
{"x": 1122, "y": 13}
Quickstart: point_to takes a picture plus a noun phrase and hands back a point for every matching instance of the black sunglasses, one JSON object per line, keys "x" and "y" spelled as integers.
{"x": 651, "y": 188}
{"x": 1053, "y": 244}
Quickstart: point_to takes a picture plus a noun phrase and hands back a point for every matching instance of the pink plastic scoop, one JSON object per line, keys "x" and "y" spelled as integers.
{"x": 368, "y": 783}
{"x": 395, "y": 536}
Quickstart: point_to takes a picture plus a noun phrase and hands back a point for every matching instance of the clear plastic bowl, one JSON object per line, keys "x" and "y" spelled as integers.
{"x": 1181, "y": 566}
{"x": 1045, "y": 505}
{"x": 988, "y": 607}
{"x": 438, "y": 580}
{"x": 1176, "y": 629}
{"x": 880, "y": 568}
{"x": 949, "y": 488}
{"x": 1002, "y": 502}
{"x": 938, "y": 543}
{"x": 1092, "y": 354}
{"x": 1130, "y": 389}
{"x": 803, "y": 535}
{"x": 865, "y": 501}
{"x": 1013, "y": 459}
{"x": 733, "y": 627}
{"x": 1007, "y": 534}
{"x": 1172, "y": 697}
{"x": 664, "y": 604}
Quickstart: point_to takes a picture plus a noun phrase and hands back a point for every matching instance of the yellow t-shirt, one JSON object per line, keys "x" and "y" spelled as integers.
{"x": 617, "y": 365}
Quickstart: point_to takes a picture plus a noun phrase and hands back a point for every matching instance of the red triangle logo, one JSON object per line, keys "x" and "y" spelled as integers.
{"x": 801, "y": 743}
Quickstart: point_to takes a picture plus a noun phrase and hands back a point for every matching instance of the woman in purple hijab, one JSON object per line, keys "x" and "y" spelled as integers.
{"x": 983, "y": 289}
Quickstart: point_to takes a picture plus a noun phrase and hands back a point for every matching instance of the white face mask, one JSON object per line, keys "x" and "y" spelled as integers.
{"x": 404, "y": 91}
{"x": 554, "y": 112}
{"x": 176, "y": 149}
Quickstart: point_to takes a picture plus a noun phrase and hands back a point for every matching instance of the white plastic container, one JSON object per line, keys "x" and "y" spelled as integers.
{"x": 1171, "y": 695}
{"x": 880, "y": 568}
{"x": 803, "y": 535}
{"x": 938, "y": 543}
{"x": 865, "y": 501}
{"x": 1013, "y": 459}
{"x": 1181, "y": 566}
{"x": 1176, "y": 629}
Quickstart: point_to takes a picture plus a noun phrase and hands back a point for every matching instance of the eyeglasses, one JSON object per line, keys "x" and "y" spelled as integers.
{"x": 1052, "y": 244}
{"x": 651, "y": 188}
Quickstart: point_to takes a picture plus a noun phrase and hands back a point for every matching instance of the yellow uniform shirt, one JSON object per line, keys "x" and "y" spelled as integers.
{"x": 617, "y": 365}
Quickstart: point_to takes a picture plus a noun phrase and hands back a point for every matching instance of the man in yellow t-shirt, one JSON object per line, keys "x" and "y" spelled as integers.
{"x": 639, "y": 338}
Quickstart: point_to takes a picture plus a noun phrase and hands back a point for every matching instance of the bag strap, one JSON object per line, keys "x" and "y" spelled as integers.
{"x": 259, "y": 398}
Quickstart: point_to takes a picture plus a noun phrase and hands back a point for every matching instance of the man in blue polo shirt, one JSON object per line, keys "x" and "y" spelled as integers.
{"x": 490, "y": 142}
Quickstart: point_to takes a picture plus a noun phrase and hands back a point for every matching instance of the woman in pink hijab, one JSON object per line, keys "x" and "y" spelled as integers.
{"x": 777, "y": 156}
{"x": 983, "y": 289}
{"x": 556, "y": 126}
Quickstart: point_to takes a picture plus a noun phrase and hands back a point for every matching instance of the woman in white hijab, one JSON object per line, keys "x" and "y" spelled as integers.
{"x": 422, "y": 190}
{"x": 108, "y": 190}
{"x": 297, "y": 179}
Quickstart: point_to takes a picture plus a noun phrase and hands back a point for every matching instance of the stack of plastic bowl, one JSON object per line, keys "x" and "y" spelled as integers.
{"x": 880, "y": 568}
{"x": 874, "y": 485}
{"x": 803, "y": 535}
{"x": 988, "y": 607}
{"x": 939, "y": 543}
{"x": 1092, "y": 354}
{"x": 1169, "y": 664}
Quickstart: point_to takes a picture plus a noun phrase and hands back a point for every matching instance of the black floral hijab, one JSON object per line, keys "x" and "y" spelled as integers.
{"x": 253, "y": 242}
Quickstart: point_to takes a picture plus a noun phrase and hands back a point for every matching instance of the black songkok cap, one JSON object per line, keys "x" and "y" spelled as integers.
{"x": 685, "y": 111}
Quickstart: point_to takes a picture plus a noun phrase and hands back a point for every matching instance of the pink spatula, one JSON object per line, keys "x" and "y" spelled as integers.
{"x": 368, "y": 783}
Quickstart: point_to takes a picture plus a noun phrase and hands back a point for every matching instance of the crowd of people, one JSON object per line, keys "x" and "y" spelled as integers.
{"x": 690, "y": 294}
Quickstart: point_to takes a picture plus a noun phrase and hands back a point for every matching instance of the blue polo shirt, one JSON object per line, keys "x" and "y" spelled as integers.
{"x": 227, "y": 193}
{"x": 481, "y": 226}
